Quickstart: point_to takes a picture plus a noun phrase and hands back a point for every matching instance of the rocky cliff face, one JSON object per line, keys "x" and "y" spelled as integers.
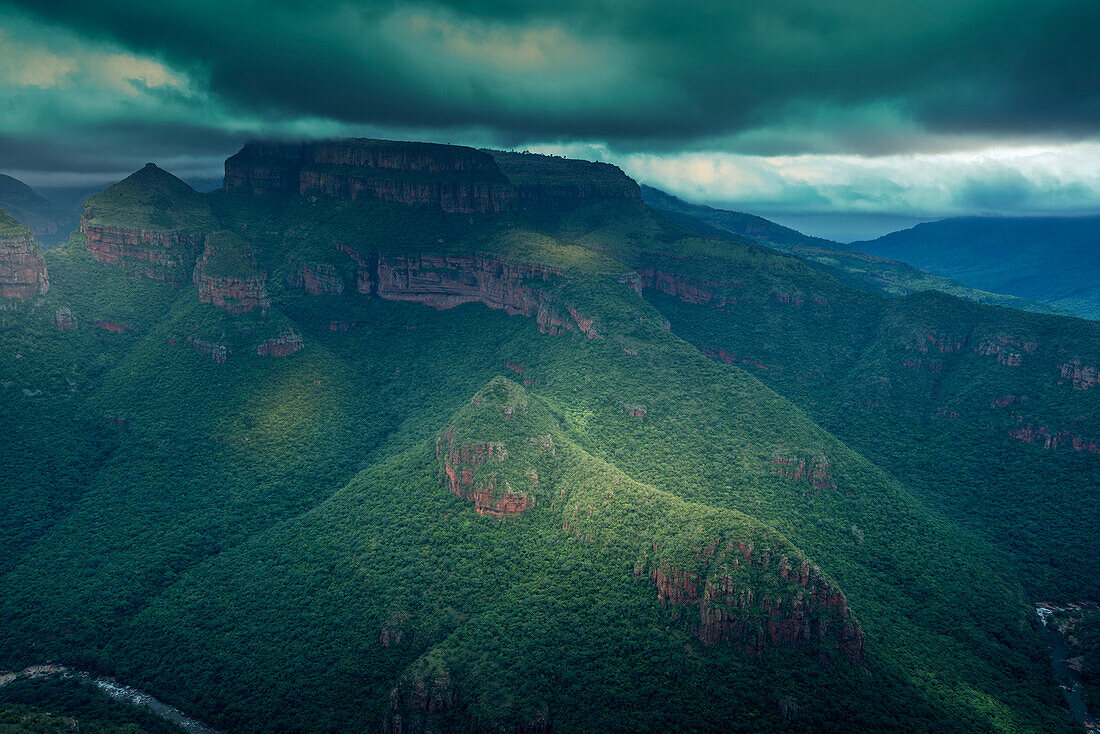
{"x": 462, "y": 469}
{"x": 22, "y": 269}
{"x": 423, "y": 693}
{"x": 445, "y": 281}
{"x": 452, "y": 178}
{"x": 227, "y": 275}
{"x": 288, "y": 342}
{"x": 449, "y": 177}
{"x": 1081, "y": 376}
{"x": 685, "y": 289}
{"x": 814, "y": 469}
{"x": 1053, "y": 439}
{"x": 236, "y": 295}
{"x": 315, "y": 278}
{"x": 158, "y": 254}
{"x": 813, "y": 612}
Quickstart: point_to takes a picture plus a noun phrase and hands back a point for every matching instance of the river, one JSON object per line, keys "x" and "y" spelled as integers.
{"x": 117, "y": 691}
{"x": 1067, "y": 677}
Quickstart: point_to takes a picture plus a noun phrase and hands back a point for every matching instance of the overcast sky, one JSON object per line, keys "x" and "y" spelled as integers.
{"x": 880, "y": 107}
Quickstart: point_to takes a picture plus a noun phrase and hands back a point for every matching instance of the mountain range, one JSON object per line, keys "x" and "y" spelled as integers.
{"x": 1048, "y": 259}
{"x": 407, "y": 437}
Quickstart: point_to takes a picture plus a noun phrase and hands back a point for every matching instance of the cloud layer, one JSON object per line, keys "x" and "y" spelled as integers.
{"x": 816, "y": 103}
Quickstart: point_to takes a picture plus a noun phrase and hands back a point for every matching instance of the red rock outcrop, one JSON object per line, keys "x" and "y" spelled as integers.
{"x": 160, "y": 255}
{"x": 814, "y": 468}
{"x": 316, "y": 279}
{"x": 452, "y": 178}
{"x": 1054, "y": 439}
{"x": 64, "y": 320}
{"x": 420, "y": 694}
{"x": 288, "y": 342}
{"x": 22, "y": 269}
{"x": 112, "y": 326}
{"x": 685, "y": 289}
{"x": 235, "y": 295}
{"x": 239, "y": 289}
{"x": 1009, "y": 352}
{"x": 217, "y": 352}
{"x": 445, "y": 281}
{"x": 1082, "y": 376}
{"x": 811, "y": 610}
{"x": 459, "y": 472}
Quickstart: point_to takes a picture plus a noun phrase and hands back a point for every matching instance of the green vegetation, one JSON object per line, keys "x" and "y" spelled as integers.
{"x": 526, "y": 169}
{"x": 150, "y": 199}
{"x": 227, "y": 254}
{"x": 8, "y": 225}
{"x": 269, "y": 543}
{"x": 867, "y": 272}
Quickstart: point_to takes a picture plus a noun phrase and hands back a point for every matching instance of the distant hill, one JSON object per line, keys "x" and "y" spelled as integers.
{"x": 867, "y": 272}
{"x": 50, "y": 224}
{"x": 1053, "y": 260}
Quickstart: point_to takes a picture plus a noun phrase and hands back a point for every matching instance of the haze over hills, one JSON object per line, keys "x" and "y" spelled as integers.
{"x": 868, "y": 272}
{"x": 1052, "y": 260}
{"x": 398, "y": 436}
{"x": 50, "y": 223}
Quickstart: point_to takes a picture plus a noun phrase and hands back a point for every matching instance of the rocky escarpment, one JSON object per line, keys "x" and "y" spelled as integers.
{"x": 445, "y": 281}
{"x": 1053, "y": 439}
{"x": 158, "y": 254}
{"x": 289, "y": 341}
{"x": 423, "y": 693}
{"x": 814, "y": 469}
{"x": 22, "y": 268}
{"x": 1007, "y": 351}
{"x": 452, "y": 178}
{"x": 227, "y": 275}
{"x": 806, "y": 609}
{"x": 688, "y": 290}
{"x": 1081, "y": 376}
{"x": 315, "y": 279}
{"x": 466, "y": 470}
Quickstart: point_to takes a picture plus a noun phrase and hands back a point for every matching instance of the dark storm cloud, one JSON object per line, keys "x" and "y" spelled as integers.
{"x": 636, "y": 74}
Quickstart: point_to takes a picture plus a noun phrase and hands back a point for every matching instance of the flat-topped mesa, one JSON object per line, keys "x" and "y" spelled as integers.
{"x": 150, "y": 223}
{"x": 546, "y": 181}
{"x": 453, "y": 178}
{"x": 22, "y": 269}
{"x": 228, "y": 277}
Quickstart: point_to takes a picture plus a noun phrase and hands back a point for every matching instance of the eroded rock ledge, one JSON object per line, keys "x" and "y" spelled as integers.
{"x": 22, "y": 269}
{"x": 462, "y": 474}
{"x": 815, "y": 612}
{"x": 164, "y": 255}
